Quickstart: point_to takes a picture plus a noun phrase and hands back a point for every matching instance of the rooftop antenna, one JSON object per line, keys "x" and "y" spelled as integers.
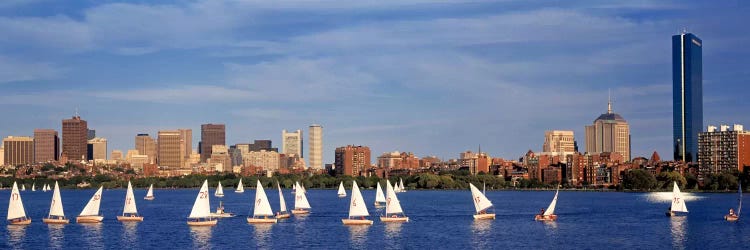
{"x": 77, "y": 112}
{"x": 609, "y": 102}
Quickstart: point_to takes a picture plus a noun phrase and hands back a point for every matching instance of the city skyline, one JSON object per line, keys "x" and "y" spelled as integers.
{"x": 461, "y": 74}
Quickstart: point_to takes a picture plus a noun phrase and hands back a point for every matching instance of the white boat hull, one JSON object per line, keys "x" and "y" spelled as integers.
{"x": 300, "y": 211}
{"x": 342, "y": 196}
{"x": 394, "y": 219}
{"x": 20, "y": 221}
{"x": 89, "y": 219}
{"x": 262, "y": 220}
{"x": 130, "y": 218}
{"x": 203, "y": 223}
{"x": 55, "y": 221}
{"x": 356, "y": 222}
{"x": 283, "y": 216}
{"x": 148, "y": 198}
{"x": 484, "y": 216}
{"x": 550, "y": 217}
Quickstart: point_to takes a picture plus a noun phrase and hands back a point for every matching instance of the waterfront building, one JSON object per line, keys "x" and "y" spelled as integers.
{"x": 19, "y": 150}
{"x": 476, "y": 162}
{"x": 316, "y": 147}
{"x": 723, "y": 149}
{"x": 46, "y": 145}
{"x": 687, "y": 95}
{"x": 352, "y": 160}
{"x": 146, "y": 145}
{"x": 170, "y": 149}
{"x": 398, "y": 161}
{"x": 211, "y": 134}
{"x": 98, "y": 149}
{"x": 609, "y": 133}
{"x": 220, "y": 159}
{"x": 267, "y": 160}
{"x": 291, "y": 142}
{"x": 74, "y": 136}
{"x": 558, "y": 143}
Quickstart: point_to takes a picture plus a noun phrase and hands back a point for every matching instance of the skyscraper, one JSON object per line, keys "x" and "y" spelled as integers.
{"x": 687, "y": 95}
{"x": 291, "y": 143}
{"x": 609, "y": 133}
{"x": 19, "y": 150}
{"x": 74, "y": 134}
{"x": 146, "y": 146}
{"x": 316, "y": 146}
{"x": 186, "y": 136}
{"x": 99, "y": 149}
{"x": 46, "y": 145}
{"x": 211, "y": 134}
{"x": 170, "y": 149}
{"x": 558, "y": 143}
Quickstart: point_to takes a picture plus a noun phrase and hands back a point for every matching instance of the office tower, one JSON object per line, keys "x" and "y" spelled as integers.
{"x": 99, "y": 149}
{"x": 46, "y": 145}
{"x": 609, "y": 133}
{"x": 74, "y": 134}
{"x": 170, "y": 149}
{"x": 291, "y": 143}
{"x": 116, "y": 155}
{"x": 316, "y": 147}
{"x": 146, "y": 146}
{"x": 19, "y": 150}
{"x": 352, "y": 160}
{"x": 723, "y": 150}
{"x": 211, "y": 134}
{"x": 558, "y": 143}
{"x": 687, "y": 95}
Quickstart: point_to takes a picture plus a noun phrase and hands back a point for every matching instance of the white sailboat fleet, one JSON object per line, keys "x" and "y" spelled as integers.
{"x": 45, "y": 188}
{"x": 16, "y": 212}
{"x": 90, "y": 213}
{"x": 357, "y": 208}
{"x": 678, "y": 203}
{"x": 735, "y": 216}
{"x": 219, "y": 191}
{"x": 481, "y": 204}
{"x": 150, "y": 193}
{"x": 200, "y": 215}
{"x": 342, "y": 191}
{"x": 549, "y": 214}
{"x": 262, "y": 212}
{"x": 393, "y": 211}
{"x": 56, "y": 214}
{"x": 301, "y": 206}
{"x": 379, "y": 197}
{"x": 240, "y": 187}
{"x": 130, "y": 211}
{"x": 283, "y": 214}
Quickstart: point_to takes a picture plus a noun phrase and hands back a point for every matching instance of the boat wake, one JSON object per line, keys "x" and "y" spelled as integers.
{"x": 666, "y": 197}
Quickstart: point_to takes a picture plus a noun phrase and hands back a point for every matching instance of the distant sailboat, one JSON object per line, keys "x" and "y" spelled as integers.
{"x": 393, "y": 211}
{"x": 130, "y": 211}
{"x": 357, "y": 208}
{"x": 678, "y": 204}
{"x": 484, "y": 188}
{"x": 33, "y": 187}
{"x": 396, "y": 188}
{"x": 549, "y": 214}
{"x": 220, "y": 213}
{"x": 732, "y": 216}
{"x": 401, "y": 188}
{"x": 23, "y": 187}
{"x": 240, "y": 187}
{"x": 379, "y": 197}
{"x": 150, "y": 193}
{"x": 481, "y": 204}
{"x": 200, "y": 215}
{"x": 219, "y": 191}
{"x": 262, "y": 212}
{"x": 342, "y": 191}
{"x": 90, "y": 213}
{"x": 283, "y": 214}
{"x": 301, "y": 206}
{"x": 16, "y": 212}
{"x": 46, "y": 187}
{"x": 56, "y": 214}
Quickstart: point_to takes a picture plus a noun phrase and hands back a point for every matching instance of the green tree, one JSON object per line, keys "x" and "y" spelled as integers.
{"x": 638, "y": 179}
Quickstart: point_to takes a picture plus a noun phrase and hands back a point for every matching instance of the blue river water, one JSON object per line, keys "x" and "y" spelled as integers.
{"x": 438, "y": 220}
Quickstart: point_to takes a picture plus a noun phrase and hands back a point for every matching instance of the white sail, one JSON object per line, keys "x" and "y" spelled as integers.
{"x": 219, "y": 191}
{"x": 739, "y": 208}
{"x": 357, "y": 206}
{"x": 392, "y": 206}
{"x": 300, "y": 200}
{"x": 33, "y": 187}
{"x": 23, "y": 187}
{"x": 551, "y": 209}
{"x": 282, "y": 202}
{"x": 342, "y": 191}
{"x": 46, "y": 188}
{"x": 15, "y": 206}
{"x": 240, "y": 187}
{"x": 395, "y": 187}
{"x": 480, "y": 201}
{"x": 56, "y": 208}
{"x": 401, "y": 186}
{"x": 130, "y": 207}
{"x": 678, "y": 204}
{"x": 301, "y": 188}
{"x": 92, "y": 208}
{"x": 201, "y": 207}
{"x": 262, "y": 206}
{"x": 379, "y": 197}
{"x": 150, "y": 192}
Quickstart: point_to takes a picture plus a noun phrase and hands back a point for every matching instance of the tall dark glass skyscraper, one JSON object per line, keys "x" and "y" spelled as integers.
{"x": 687, "y": 95}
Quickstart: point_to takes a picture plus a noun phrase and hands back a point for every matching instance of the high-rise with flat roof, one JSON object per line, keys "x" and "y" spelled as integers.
{"x": 558, "y": 143}
{"x": 99, "y": 147}
{"x": 146, "y": 146}
{"x": 74, "y": 135}
{"x": 46, "y": 145}
{"x": 316, "y": 147}
{"x": 352, "y": 160}
{"x": 211, "y": 134}
{"x": 291, "y": 143}
{"x": 19, "y": 150}
{"x": 687, "y": 95}
{"x": 170, "y": 149}
{"x": 186, "y": 136}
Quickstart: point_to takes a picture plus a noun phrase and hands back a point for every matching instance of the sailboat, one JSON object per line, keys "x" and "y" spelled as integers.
{"x": 16, "y": 212}
{"x": 395, "y": 188}
{"x": 549, "y": 214}
{"x": 401, "y": 188}
{"x": 240, "y": 187}
{"x": 379, "y": 197}
{"x": 481, "y": 204}
{"x": 678, "y": 204}
{"x": 283, "y": 214}
{"x": 130, "y": 211}
{"x": 220, "y": 213}
{"x": 342, "y": 191}
{"x": 200, "y": 215}
{"x": 262, "y": 209}
{"x": 301, "y": 206}
{"x": 23, "y": 187}
{"x": 90, "y": 213}
{"x": 732, "y": 216}
{"x": 484, "y": 188}
{"x": 56, "y": 214}
{"x": 393, "y": 211}
{"x": 219, "y": 191}
{"x": 33, "y": 187}
{"x": 150, "y": 193}
{"x": 357, "y": 208}
{"x": 46, "y": 187}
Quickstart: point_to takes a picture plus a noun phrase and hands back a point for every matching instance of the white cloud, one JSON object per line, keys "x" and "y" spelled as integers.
{"x": 178, "y": 94}
{"x": 12, "y": 70}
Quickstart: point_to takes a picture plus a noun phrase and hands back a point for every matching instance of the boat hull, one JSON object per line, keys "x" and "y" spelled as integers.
{"x": 89, "y": 219}
{"x": 222, "y": 215}
{"x": 219, "y": 195}
{"x": 239, "y": 192}
{"x": 356, "y": 222}
{"x": 300, "y": 211}
{"x": 394, "y": 219}
{"x": 283, "y": 216}
{"x": 731, "y": 217}
{"x": 204, "y": 223}
{"x": 148, "y": 198}
{"x": 550, "y": 217}
{"x": 55, "y": 221}
{"x": 25, "y": 221}
{"x": 484, "y": 216}
{"x": 342, "y": 196}
{"x": 130, "y": 218}
{"x": 262, "y": 220}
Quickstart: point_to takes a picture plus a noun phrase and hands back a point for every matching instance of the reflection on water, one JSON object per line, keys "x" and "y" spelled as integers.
{"x": 201, "y": 237}
{"x": 129, "y": 236}
{"x": 666, "y": 197}
{"x": 16, "y": 234}
{"x": 393, "y": 230}
{"x": 56, "y": 235}
{"x": 263, "y": 235}
{"x": 551, "y": 225}
{"x": 93, "y": 235}
{"x": 678, "y": 225}
{"x": 358, "y": 235}
{"x": 481, "y": 230}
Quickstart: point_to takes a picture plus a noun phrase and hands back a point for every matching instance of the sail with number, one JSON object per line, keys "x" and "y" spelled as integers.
{"x": 92, "y": 208}
{"x": 392, "y": 206}
{"x": 15, "y": 205}
{"x": 357, "y": 205}
{"x": 262, "y": 206}
{"x": 480, "y": 201}
{"x": 130, "y": 207}
{"x": 678, "y": 203}
{"x": 300, "y": 200}
{"x": 201, "y": 207}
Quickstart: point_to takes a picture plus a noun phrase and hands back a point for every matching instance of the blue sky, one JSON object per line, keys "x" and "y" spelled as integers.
{"x": 434, "y": 78}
